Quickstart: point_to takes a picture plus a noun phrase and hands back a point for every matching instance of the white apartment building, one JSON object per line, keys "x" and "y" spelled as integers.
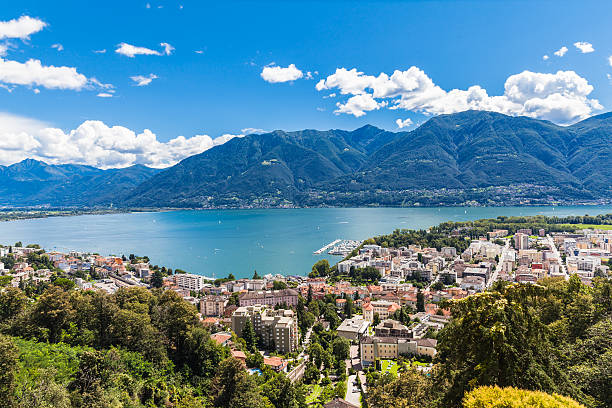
{"x": 190, "y": 281}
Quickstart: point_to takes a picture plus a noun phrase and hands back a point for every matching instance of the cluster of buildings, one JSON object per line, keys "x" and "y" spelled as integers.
{"x": 278, "y": 329}
{"x": 587, "y": 253}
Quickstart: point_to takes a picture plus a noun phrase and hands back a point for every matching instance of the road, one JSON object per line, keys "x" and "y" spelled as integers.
{"x": 353, "y": 393}
{"x": 553, "y": 247}
{"x": 499, "y": 265}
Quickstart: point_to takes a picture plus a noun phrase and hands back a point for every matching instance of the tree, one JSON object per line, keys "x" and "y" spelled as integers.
{"x": 315, "y": 351}
{"x": 348, "y": 307}
{"x": 503, "y": 343}
{"x": 509, "y": 397}
{"x": 249, "y": 336}
{"x": 157, "y": 280}
{"x": 341, "y": 348}
{"x": 53, "y": 312}
{"x": 232, "y": 387}
{"x": 320, "y": 269}
{"x": 256, "y": 275}
{"x": 420, "y": 302}
{"x": 376, "y": 320}
{"x": 283, "y": 394}
{"x": 278, "y": 285}
{"x": 12, "y": 302}
{"x": 8, "y": 369}
{"x": 410, "y": 389}
{"x": 311, "y": 374}
{"x": 64, "y": 283}
{"x": 309, "y": 297}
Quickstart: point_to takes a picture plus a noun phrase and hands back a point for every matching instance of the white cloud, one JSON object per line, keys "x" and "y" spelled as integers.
{"x": 21, "y": 28}
{"x": 610, "y": 60}
{"x": 276, "y": 74}
{"x": 561, "y": 97}
{"x": 403, "y": 123}
{"x": 100, "y": 51}
{"x": 358, "y": 105}
{"x": 142, "y": 80}
{"x": 561, "y": 51}
{"x": 167, "y": 48}
{"x": 131, "y": 50}
{"x": 33, "y": 73}
{"x": 96, "y": 144}
{"x": 250, "y": 131}
{"x": 58, "y": 47}
{"x": 545, "y": 57}
{"x": 584, "y": 47}
{"x": 105, "y": 95}
{"x": 199, "y": 51}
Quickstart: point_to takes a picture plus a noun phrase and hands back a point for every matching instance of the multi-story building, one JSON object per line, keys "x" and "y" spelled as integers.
{"x": 278, "y": 329}
{"x": 353, "y": 329}
{"x": 521, "y": 241}
{"x": 388, "y": 348}
{"x": 190, "y": 281}
{"x": 270, "y": 297}
{"x": 212, "y": 305}
{"x": 392, "y": 328}
{"x": 383, "y": 308}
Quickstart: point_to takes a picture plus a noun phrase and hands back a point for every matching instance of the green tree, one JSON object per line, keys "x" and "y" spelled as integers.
{"x": 232, "y": 387}
{"x": 320, "y": 268}
{"x": 410, "y": 389}
{"x": 203, "y": 354}
{"x": 348, "y": 307}
{"x": 157, "y": 280}
{"x": 311, "y": 374}
{"x": 12, "y": 302}
{"x": 376, "y": 320}
{"x": 420, "y": 302}
{"x": 249, "y": 336}
{"x": 278, "y": 285}
{"x": 256, "y": 275}
{"x": 8, "y": 369}
{"x": 503, "y": 343}
{"x": 53, "y": 311}
{"x": 341, "y": 348}
{"x": 283, "y": 394}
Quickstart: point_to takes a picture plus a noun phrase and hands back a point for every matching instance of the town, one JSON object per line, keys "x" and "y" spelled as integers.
{"x": 342, "y": 327}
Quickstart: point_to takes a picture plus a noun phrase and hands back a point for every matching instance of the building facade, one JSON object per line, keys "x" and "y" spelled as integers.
{"x": 277, "y": 329}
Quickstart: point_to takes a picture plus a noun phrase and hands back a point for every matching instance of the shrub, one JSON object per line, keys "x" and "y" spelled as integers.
{"x": 509, "y": 397}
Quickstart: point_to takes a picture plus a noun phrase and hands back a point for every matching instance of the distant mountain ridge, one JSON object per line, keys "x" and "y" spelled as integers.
{"x": 33, "y": 183}
{"x": 472, "y": 157}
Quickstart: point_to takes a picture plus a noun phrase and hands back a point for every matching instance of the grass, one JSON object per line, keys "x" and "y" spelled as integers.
{"x": 313, "y": 393}
{"x": 589, "y": 226}
{"x": 390, "y": 366}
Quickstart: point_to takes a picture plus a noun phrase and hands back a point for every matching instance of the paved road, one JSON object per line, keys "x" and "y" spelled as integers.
{"x": 499, "y": 265}
{"x": 556, "y": 252}
{"x": 353, "y": 394}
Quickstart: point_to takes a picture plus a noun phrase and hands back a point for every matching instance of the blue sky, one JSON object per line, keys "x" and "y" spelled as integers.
{"x": 452, "y": 45}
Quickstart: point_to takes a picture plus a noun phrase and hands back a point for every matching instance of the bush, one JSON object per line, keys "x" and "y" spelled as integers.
{"x": 496, "y": 397}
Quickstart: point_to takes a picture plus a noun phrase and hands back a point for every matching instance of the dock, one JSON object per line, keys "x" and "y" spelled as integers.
{"x": 326, "y": 247}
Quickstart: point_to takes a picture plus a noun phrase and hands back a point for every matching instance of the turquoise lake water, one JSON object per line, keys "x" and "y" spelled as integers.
{"x": 217, "y": 242}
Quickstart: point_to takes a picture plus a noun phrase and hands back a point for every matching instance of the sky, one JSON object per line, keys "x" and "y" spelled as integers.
{"x": 116, "y": 83}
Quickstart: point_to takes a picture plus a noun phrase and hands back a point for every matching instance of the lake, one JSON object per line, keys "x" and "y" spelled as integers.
{"x": 219, "y": 242}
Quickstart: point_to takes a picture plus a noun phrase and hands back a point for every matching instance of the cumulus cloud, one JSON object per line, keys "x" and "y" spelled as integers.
{"x": 275, "y": 74}
{"x": 96, "y": 144}
{"x": 403, "y": 123}
{"x": 21, "y": 28}
{"x": 561, "y": 51}
{"x": 33, "y": 73}
{"x": 105, "y": 95}
{"x": 58, "y": 47}
{"x": 142, "y": 80}
{"x": 561, "y": 97}
{"x": 545, "y": 57}
{"x": 584, "y": 47}
{"x": 131, "y": 50}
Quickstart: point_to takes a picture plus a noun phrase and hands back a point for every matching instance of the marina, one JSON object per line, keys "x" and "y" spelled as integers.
{"x": 326, "y": 247}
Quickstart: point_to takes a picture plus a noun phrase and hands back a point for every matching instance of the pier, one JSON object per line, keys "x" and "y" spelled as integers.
{"x": 326, "y": 247}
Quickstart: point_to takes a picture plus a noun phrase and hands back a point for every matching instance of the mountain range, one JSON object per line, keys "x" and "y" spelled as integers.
{"x": 463, "y": 158}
